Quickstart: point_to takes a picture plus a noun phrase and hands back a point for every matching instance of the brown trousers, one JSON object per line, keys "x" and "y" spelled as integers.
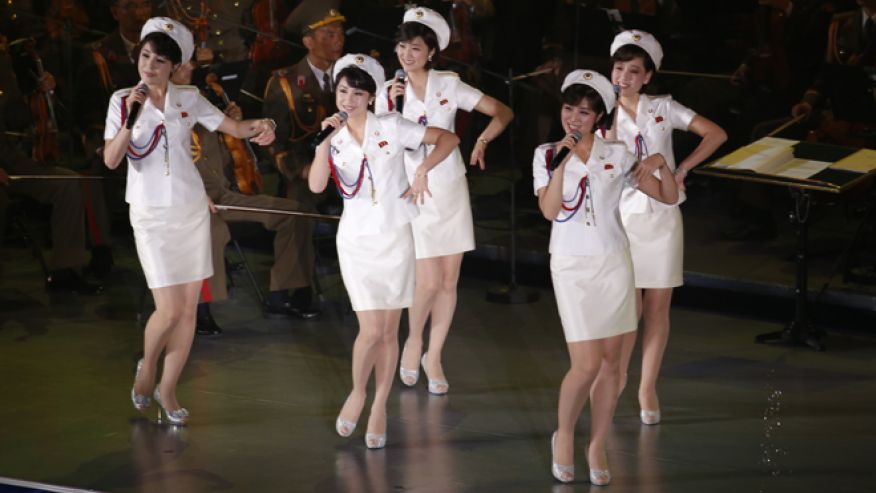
{"x": 78, "y": 210}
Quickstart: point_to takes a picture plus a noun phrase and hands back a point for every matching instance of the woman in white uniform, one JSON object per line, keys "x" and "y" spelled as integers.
{"x": 443, "y": 231}
{"x": 645, "y": 124}
{"x": 168, "y": 206}
{"x": 364, "y": 156}
{"x": 591, "y": 268}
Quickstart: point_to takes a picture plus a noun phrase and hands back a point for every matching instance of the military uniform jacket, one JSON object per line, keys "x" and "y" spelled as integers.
{"x": 445, "y": 94}
{"x": 589, "y": 222}
{"x": 377, "y": 206}
{"x": 296, "y": 122}
{"x": 656, "y": 118}
{"x": 149, "y": 184}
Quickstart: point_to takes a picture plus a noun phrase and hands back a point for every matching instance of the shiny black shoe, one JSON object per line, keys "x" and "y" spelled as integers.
{"x": 206, "y": 326}
{"x": 69, "y": 281}
{"x": 101, "y": 262}
{"x": 288, "y": 309}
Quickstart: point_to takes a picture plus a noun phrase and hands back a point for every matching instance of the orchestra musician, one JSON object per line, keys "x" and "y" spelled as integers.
{"x": 68, "y": 224}
{"x": 216, "y": 163}
{"x": 298, "y": 98}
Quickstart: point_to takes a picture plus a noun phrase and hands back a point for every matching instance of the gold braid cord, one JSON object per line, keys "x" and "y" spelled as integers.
{"x": 196, "y": 147}
{"x": 290, "y": 101}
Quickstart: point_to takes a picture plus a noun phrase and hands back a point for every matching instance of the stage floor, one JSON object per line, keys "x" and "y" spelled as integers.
{"x": 738, "y": 417}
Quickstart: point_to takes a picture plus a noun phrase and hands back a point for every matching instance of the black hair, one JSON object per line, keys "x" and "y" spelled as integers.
{"x": 162, "y": 45}
{"x": 574, "y": 94}
{"x": 627, "y": 52}
{"x": 409, "y": 31}
{"x": 357, "y": 79}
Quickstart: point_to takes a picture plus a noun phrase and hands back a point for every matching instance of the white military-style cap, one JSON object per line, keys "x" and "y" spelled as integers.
{"x": 643, "y": 40}
{"x": 366, "y": 63}
{"x": 177, "y": 31}
{"x": 431, "y": 19}
{"x": 595, "y": 80}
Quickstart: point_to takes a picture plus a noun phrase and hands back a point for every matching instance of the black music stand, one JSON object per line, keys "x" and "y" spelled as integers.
{"x": 799, "y": 331}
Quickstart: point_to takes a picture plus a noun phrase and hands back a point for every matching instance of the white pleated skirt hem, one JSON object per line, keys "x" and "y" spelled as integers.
{"x": 173, "y": 243}
{"x": 595, "y": 295}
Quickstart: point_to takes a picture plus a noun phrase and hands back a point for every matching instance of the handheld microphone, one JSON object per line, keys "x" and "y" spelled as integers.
{"x": 400, "y": 76}
{"x": 135, "y": 108}
{"x": 576, "y": 136}
{"x": 324, "y": 133}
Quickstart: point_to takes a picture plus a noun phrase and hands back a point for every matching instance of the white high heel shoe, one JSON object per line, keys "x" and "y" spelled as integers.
{"x": 563, "y": 474}
{"x": 600, "y": 477}
{"x": 434, "y": 383}
{"x": 375, "y": 441}
{"x": 405, "y": 374}
{"x": 650, "y": 417}
{"x": 342, "y": 424}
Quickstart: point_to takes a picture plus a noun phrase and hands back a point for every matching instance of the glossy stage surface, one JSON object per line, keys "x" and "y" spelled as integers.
{"x": 738, "y": 417}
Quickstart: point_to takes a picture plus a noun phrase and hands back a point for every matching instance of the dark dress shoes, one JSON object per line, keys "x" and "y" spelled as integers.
{"x": 69, "y": 281}
{"x": 288, "y": 309}
{"x": 101, "y": 262}
{"x": 205, "y": 325}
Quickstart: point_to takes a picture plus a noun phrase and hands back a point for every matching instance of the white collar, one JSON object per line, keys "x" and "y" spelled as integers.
{"x": 320, "y": 74}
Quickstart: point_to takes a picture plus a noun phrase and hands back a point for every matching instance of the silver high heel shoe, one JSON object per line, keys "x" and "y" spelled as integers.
{"x": 141, "y": 402}
{"x": 375, "y": 441}
{"x": 560, "y": 472}
{"x": 650, "y": 417}
{"x": 434, "y": 383}
{"x": 404, "y": 373}
{"x": 341, "y": 424}
{"x": 600, "y": 477}
{"x": 177, "y": 416}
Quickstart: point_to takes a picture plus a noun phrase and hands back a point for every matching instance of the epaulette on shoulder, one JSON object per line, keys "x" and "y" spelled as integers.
{"x": 280, "y": 72}
{"x": 659, "y": 97}
{"x": 615, "y": 145}
{"x": 187, "y": 87}
{"x": 123, "y": 92}
{"x": 546, "y": 145}
{"x": 448, "y": 73}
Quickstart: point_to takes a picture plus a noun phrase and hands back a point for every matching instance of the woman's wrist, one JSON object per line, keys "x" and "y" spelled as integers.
{"x": 484, "y": 141}
{"x": 420, "y": 173}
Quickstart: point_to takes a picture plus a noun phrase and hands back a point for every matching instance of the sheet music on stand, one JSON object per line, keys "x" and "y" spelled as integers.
{"x": 777, "y": 161}
{"x": 802, "y": 167}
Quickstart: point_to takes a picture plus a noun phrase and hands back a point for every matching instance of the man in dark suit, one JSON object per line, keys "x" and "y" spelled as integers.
{"x": 298, "y": 98}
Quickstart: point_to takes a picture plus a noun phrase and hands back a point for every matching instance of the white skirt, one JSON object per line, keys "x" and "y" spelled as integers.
{"x": 657, "y": 247}
{"x": 444, "y": 226}
{"x": 378, "y": 270}
{"x": 173, "y": 243}
{"x": 595, "y": 295}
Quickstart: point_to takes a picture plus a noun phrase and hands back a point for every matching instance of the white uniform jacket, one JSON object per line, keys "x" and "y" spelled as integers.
{"x": 377, "y": 207}
{"x": 656, "y": 118}
{"x": 595, "y": 227}
{"x": 149, "y": 184}
{"x": 445, "y": 93}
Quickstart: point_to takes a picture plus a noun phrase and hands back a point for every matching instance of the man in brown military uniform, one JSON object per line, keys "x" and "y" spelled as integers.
{"x": 298, "y": 98}
{"x": 66, "y": 196}
{"x": 290, "y": 271}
